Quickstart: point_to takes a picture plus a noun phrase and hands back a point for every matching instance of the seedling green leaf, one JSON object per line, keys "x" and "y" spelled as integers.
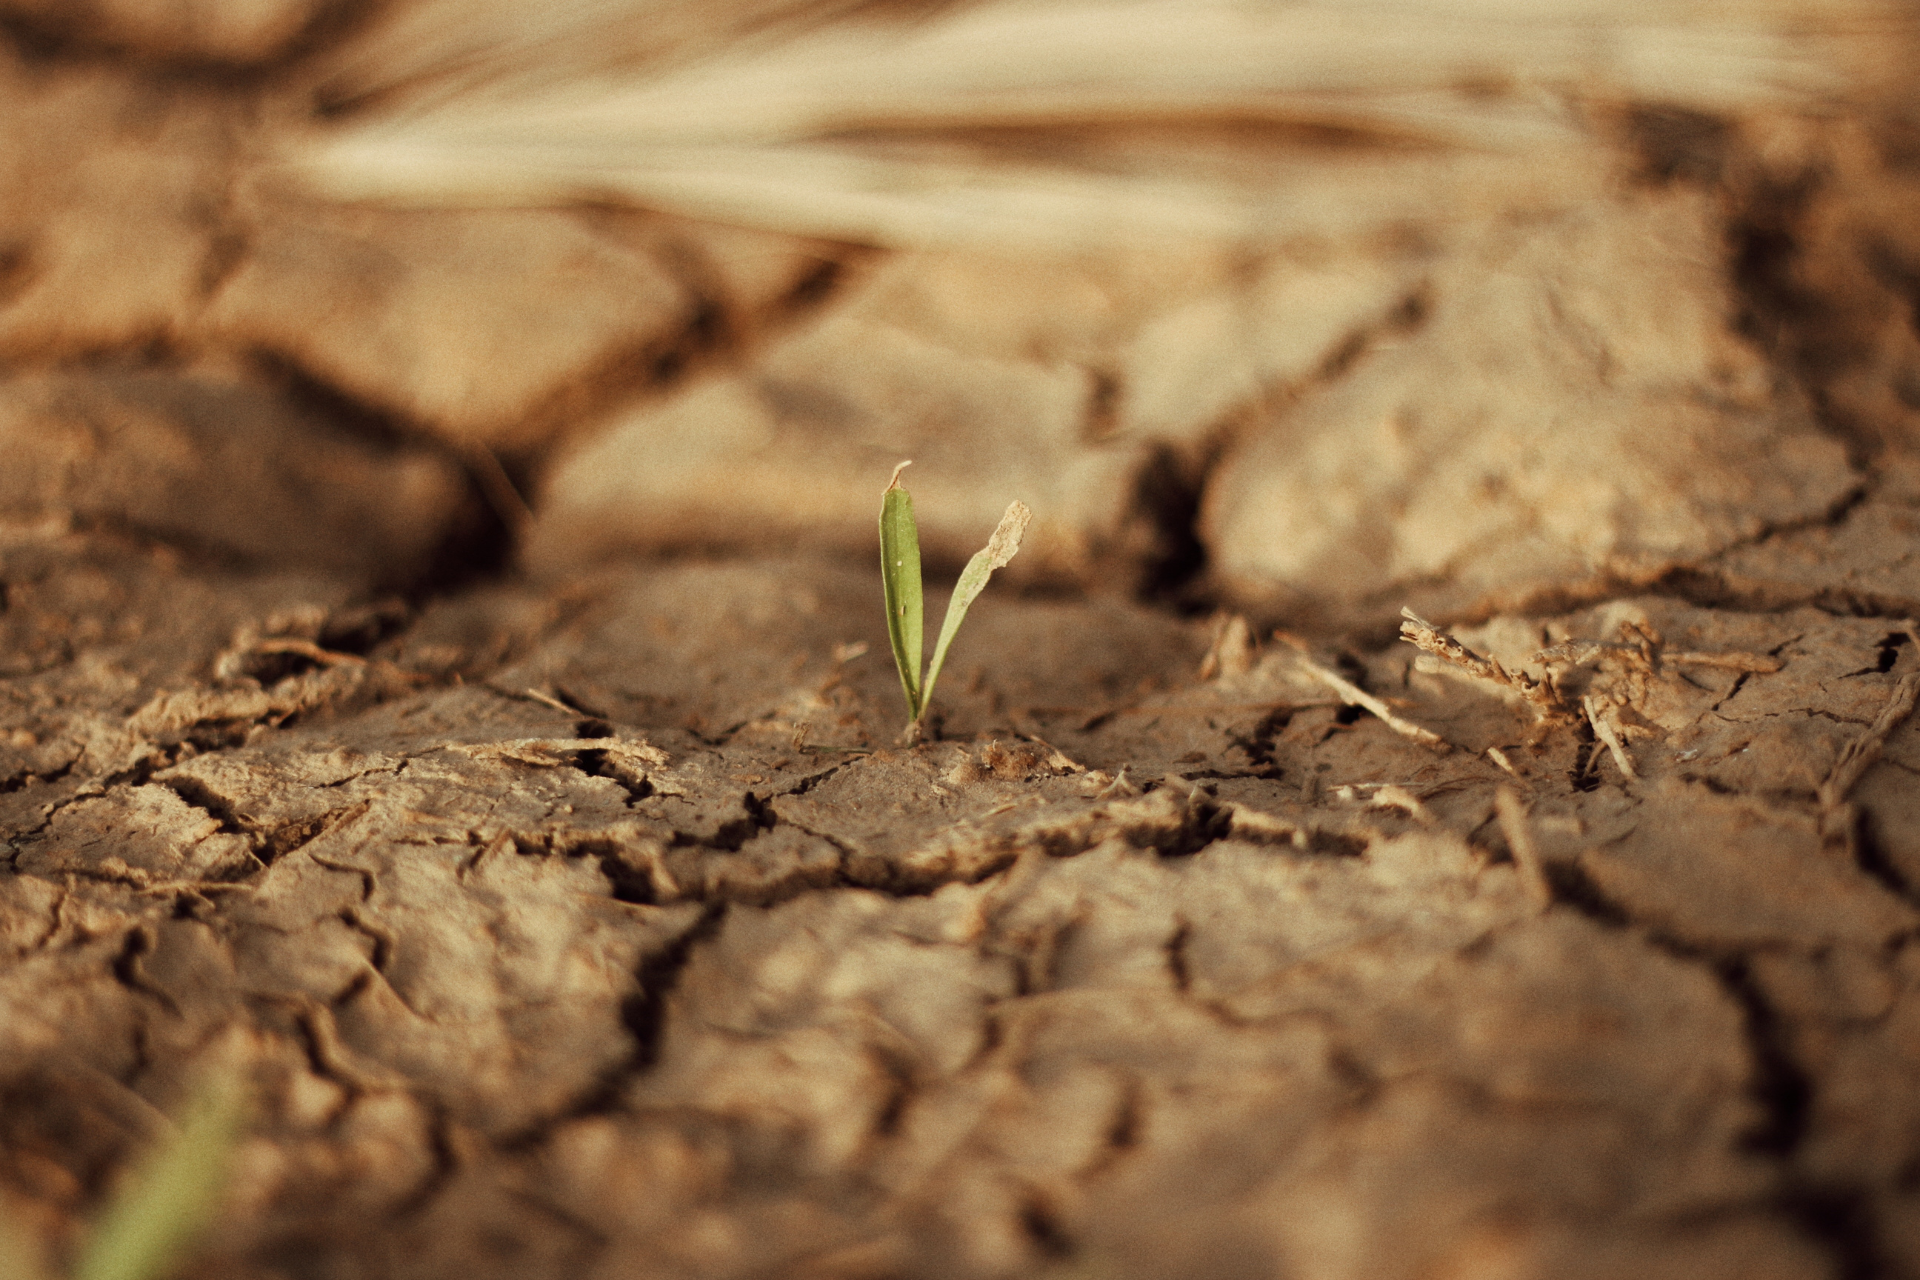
{"x": 900, "y": 579}
{"x": 148, "y": 1227}
{"x": 1000, "y": 548}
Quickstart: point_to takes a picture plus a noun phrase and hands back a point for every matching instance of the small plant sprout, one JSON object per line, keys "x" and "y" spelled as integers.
{"x": 900, "y": 577}
{"x": 150, "y": 1227}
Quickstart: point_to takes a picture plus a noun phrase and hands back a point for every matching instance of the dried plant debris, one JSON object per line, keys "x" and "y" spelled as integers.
{"x": 849, "y": 128}
{"x": 1354, "y": 696}
{"x": 1232, "y": 650}
{"x": 1542, "y": 694}
{"x": 1860, "y": 755}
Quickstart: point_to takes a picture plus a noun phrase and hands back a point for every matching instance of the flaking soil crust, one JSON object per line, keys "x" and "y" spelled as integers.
{"x": 443, "y": 687}
{"x": 606, "y": 929}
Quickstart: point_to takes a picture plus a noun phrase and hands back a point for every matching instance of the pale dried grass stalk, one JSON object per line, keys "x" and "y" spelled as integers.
{"x": 1512, "y": 813}
{"x": 917, "y": 132}
{"x": 1391, "y": 795}
{"x": 1354, "y": 696}
{"x": 1581, "y": 653}
{"x": 1863, "y": 752}
{"x": 1601, "y": 718}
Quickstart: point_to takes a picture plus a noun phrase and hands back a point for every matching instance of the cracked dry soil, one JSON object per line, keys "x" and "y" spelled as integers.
{"x": 565, "y": 899}
{"x": 608, "y": 935}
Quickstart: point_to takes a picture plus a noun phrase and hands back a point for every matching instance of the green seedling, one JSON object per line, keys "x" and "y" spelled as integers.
{"x": 148, "y": 1229}
{"x": 900, "y": 578}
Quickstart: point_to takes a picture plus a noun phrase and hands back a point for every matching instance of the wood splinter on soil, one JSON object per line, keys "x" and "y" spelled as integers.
{"x": 1511, "y": 811}
{"x": 1354, "y": 696}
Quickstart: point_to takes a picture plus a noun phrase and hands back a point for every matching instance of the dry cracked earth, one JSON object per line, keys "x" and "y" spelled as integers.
{"x": 456, "y": 701}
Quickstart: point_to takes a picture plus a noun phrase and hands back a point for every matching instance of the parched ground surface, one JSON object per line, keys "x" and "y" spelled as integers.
{"x": 607, "y": 932}
{"x": 559, "y": 884}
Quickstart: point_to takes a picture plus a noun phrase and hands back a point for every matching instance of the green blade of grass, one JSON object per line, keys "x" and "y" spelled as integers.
{"x": 1000, "y": 548}
{"x": 147, "y": 1229}
{"x": 900, "y": 579}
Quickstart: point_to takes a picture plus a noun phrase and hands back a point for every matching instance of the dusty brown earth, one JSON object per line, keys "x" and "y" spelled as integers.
{"x": 555, "y": 875}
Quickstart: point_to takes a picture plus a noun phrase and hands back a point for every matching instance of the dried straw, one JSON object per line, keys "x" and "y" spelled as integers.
{"x": 1060, "y": 120}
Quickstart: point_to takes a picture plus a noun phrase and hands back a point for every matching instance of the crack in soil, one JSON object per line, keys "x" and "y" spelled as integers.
{"x": 1175, "y": 949}
{"x": 367, "y": 881}
{"x": 126, "y": 969}
{"x": 1783, "y": 1090}
{"x": 446, "y": 1161}
{"x": 380, "y": 942}
{"x": 196, "y": 793}
{"x": 1839, "y": 1218}
{"x": 1193, "y": 820}
{"x": 1870, "y": 854}
{"x": 645, "y": 1013}
{"x": 28, "y": 777}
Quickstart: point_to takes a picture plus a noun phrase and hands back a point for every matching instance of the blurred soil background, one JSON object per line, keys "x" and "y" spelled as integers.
{"x": 442, "y": 678}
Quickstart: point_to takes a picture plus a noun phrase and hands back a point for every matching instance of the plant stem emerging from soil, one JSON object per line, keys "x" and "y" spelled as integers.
{"x": 900, "y": 580}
